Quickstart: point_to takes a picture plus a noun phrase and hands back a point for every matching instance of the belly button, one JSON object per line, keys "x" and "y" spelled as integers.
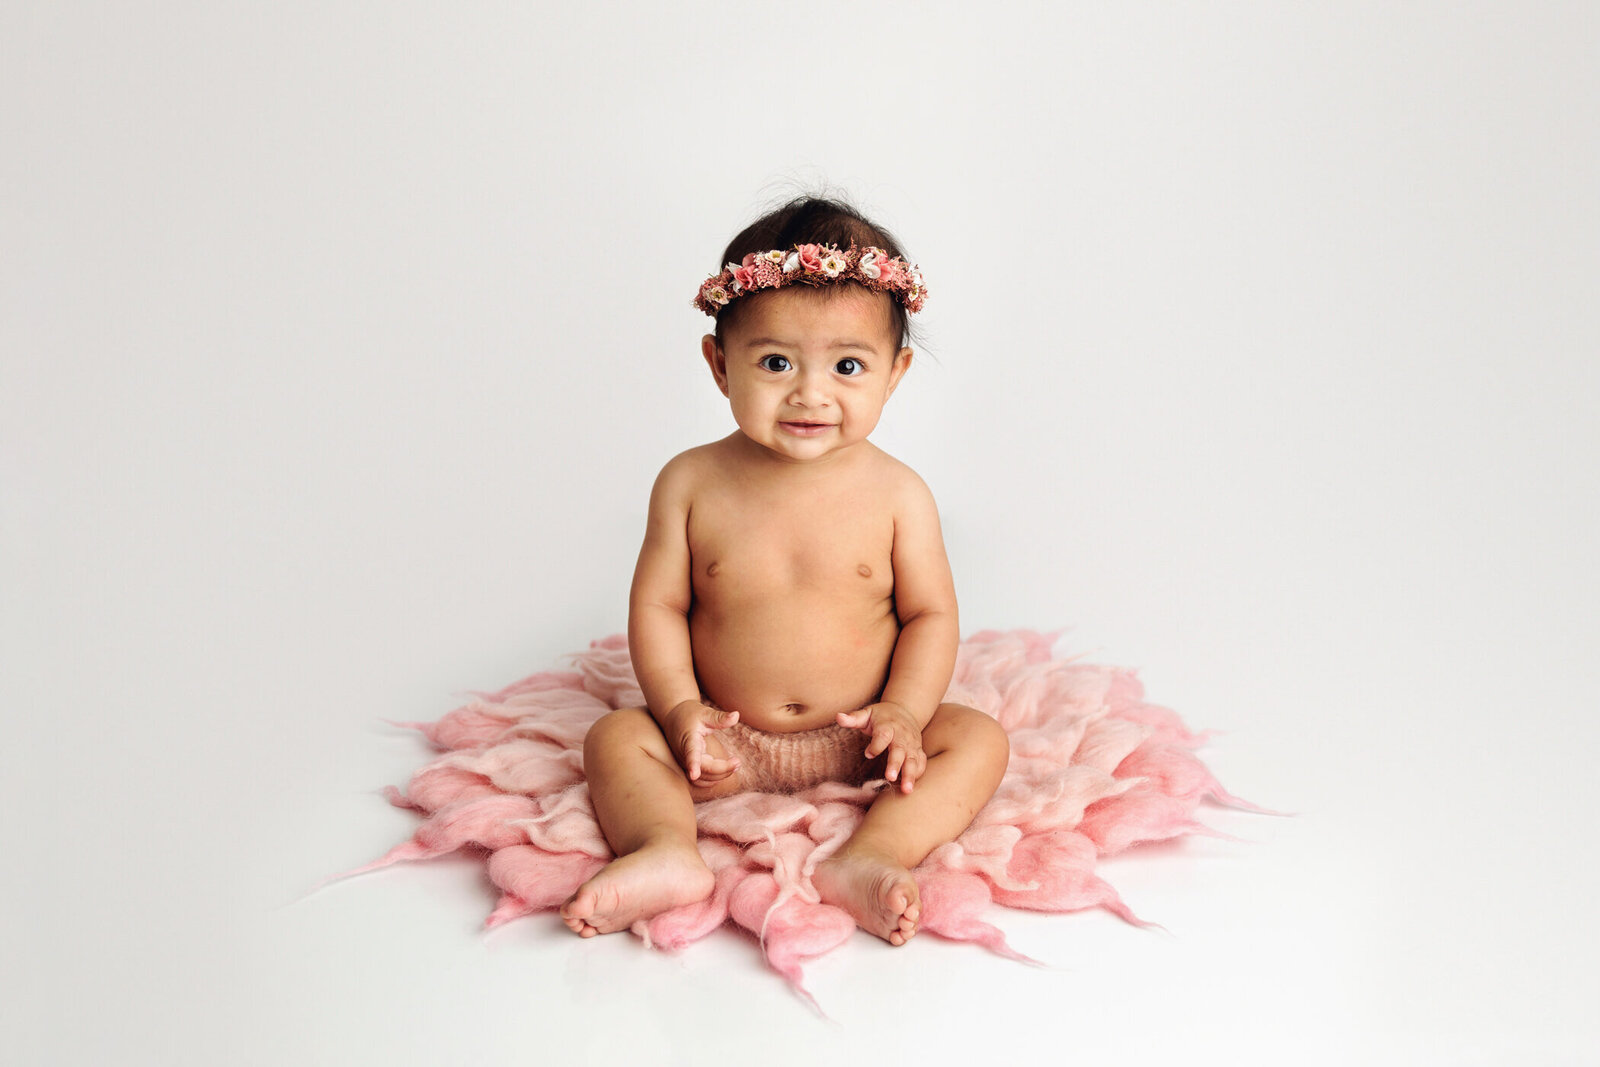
{"x": 864, "y": 570}
{"x": 711, "y": 571}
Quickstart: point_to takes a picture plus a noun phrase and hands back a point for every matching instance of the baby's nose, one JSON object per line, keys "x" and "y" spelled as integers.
{"x": 810, "y": 389}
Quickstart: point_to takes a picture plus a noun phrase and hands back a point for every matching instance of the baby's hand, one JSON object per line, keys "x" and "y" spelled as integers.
{"x": 686, "y": 727}
{"x": 892, "y": 729}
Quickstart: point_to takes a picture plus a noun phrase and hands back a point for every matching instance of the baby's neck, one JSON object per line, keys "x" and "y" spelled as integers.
{"x": 771, "y": 464}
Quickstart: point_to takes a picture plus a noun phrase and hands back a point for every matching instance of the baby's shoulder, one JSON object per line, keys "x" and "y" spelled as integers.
{"x": 687, "y": 473}
{"x": 898, "y": 481}
{"x": 682, "y": 471}
{"x": 896, "y": 474}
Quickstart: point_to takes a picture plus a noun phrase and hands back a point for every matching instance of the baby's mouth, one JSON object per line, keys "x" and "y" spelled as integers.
{"x": 806, "y": 429}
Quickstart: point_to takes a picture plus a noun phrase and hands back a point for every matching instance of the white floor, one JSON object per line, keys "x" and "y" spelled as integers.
{"x": 338, "y": 349}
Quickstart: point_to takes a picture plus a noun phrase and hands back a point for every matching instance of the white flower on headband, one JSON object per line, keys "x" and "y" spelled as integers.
{"x": 791, "y": 264}
{"x": 774, "y": 256}
{"x": 832, "y": 265}
{"x": 717, "y": 295}
{"x": 869, "y": 265}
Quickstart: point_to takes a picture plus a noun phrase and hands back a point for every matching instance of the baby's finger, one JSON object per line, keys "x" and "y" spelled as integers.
{"x": 714, "y": 769}
{"x": 915, "y": 764}
{"x": 856, "y": 720}
{"x": 882, "y": 737}
{"x": 721, "y": 720}
{"x": 694, "y": 753}
{"x": 897, "y": 759}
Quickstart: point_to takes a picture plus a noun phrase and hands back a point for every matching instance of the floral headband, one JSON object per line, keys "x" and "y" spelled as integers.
{"x": 814, "y": 265}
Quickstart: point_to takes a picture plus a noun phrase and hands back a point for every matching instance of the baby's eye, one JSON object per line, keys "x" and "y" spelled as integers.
{"x": 775, "y": 364}
{"x": 849, "y": 367}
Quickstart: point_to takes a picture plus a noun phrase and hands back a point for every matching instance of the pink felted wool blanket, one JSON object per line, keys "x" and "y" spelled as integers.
{"x": 1093, "y": 770}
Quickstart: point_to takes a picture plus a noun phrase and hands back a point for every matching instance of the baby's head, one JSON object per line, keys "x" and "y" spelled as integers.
{"x": 873, "y": 263}
{"x": 811, "y": 323}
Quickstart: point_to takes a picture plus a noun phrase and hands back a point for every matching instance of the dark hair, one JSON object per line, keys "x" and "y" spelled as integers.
{"x": 813, "y": 220}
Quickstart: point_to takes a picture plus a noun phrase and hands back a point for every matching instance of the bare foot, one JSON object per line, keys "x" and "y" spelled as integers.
{"x": 637, "y": 886}
{"x": 877, "y": 892}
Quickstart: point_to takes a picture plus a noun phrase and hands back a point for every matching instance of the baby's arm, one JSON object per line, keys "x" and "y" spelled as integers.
{"x": 658, "y": 605}
{"x": 925, "y": 654}
{"x": 925, "y": 601}
{"x": 658, "y": 630}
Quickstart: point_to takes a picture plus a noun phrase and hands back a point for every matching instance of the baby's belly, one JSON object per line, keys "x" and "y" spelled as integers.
{"x": 792, "y": 667}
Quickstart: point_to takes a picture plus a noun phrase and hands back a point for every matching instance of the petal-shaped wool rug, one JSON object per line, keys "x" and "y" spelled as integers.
{"x": 1093, "y": 770}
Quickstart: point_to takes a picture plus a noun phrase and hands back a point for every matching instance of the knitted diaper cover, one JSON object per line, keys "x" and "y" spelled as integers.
{"x": 791, "y": 762}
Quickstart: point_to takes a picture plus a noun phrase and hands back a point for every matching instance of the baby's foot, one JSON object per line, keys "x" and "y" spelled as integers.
{"x": 879, "y": 893}
{"x": 638, "y": 886}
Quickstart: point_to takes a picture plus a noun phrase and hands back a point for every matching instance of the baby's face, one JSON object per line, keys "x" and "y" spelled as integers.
{"x": 807, "y": 371}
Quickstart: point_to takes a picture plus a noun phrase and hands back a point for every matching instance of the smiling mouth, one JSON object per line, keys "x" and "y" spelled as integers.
{"x": 806, "y": 429}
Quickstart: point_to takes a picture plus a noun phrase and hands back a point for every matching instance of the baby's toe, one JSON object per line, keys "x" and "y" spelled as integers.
{"x": 904, "y": 910}
{"x": 578, "y": 910}
{"x": 904, "y": 901}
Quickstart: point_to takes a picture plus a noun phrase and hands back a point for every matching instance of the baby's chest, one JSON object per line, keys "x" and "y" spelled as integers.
{"x": 756, "y": 550}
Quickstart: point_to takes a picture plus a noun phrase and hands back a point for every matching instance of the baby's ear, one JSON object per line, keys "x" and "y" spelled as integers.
{"x": 902, "y": 363}
{"x": 716, "y": 359}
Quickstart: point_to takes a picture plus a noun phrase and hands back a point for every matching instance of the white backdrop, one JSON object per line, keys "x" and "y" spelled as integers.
{"x": 340, "y": 343}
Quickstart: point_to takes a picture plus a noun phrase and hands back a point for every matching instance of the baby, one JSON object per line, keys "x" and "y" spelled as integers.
{"x": 792, "y": 618}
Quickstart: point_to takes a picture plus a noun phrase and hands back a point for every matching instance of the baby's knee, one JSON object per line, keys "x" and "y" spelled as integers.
{"x": 993, "y": 736}
{"x": 625, "y": 727}
{"x": 969, "y": 728}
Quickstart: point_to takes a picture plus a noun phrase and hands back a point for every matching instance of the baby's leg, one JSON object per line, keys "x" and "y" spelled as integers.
{"x": 645, "y": 808}
{"x": 870, "y": 876}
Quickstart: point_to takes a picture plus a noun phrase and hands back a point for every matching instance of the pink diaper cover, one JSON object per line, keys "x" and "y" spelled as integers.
{"x": 790, "y": 762}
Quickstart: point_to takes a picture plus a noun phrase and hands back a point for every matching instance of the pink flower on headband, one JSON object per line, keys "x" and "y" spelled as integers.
{"x": 814, "y": 265}
{"x": 744, "y": 276}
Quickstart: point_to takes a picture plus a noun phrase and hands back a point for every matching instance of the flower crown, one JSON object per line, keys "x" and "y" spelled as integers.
{"x": 814, "y": 265}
